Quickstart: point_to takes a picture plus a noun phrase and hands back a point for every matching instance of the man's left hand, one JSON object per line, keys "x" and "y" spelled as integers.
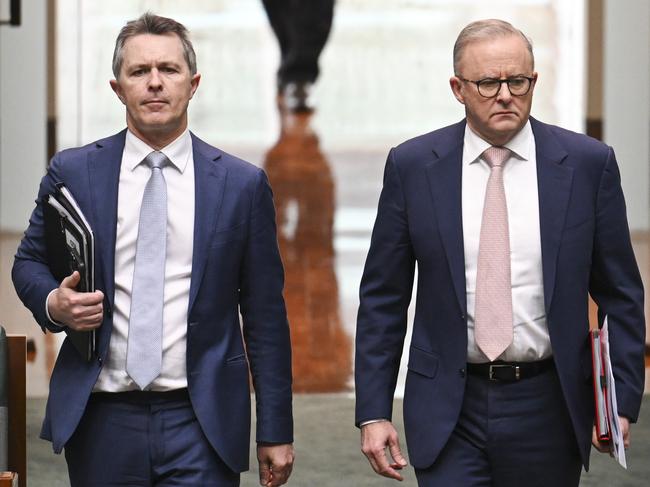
{"x": 276, "y": 462}
{"x": 603, "y": 447}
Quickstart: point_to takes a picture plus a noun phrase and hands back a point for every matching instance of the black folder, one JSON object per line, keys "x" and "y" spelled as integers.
{"x": 70, "y": 247}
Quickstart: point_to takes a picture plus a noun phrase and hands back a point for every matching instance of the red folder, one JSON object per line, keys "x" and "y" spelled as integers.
{"x": 600, "y": 387}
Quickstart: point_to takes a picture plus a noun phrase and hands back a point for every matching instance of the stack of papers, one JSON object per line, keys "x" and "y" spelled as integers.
{"x": 608, "y": 428}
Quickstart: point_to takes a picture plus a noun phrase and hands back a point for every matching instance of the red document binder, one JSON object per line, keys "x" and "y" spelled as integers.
{"x": 600, "y": 386}
{"x": 608, "y": 427}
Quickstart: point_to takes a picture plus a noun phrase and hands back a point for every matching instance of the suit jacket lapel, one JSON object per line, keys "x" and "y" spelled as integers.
{"x": 209, "y": 184}
{"x": 554, "y": 187}
{"x": 104, "y": 174}
{"x": 445, "y": 181}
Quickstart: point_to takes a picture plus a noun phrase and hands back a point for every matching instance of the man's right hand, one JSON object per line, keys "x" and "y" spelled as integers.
{"x": 79, "y": 311}
{"x": 375, "y": 437}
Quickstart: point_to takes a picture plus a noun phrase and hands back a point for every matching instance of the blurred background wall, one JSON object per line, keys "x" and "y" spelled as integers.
{"x": 384, "y": 79}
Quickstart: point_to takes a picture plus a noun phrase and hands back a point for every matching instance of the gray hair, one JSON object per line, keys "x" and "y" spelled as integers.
{"x": 149, "y": 23}
{"x": 487, "y": 29}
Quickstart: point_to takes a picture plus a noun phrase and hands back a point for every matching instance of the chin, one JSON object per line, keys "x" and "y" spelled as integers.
{"x": 157, "y": 125}
{"x": 507, "y": 126}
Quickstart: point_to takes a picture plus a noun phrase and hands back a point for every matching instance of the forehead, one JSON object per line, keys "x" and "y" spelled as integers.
{"x": 152, "y": 48}
{"x": 499, "y": 56}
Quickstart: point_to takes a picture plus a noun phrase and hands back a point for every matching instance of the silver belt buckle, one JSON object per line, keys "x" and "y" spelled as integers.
{"x": 501, "y": 366}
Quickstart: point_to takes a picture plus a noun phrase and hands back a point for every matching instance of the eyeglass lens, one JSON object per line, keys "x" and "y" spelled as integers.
{"x": 490, "y": 87}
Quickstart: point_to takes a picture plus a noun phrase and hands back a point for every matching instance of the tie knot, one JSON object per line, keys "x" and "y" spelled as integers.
{"x": 496, "y": 156}
{"x": 156, "y": 160}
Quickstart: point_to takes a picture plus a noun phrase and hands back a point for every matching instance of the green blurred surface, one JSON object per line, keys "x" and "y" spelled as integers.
{"x": 327, "y": 450}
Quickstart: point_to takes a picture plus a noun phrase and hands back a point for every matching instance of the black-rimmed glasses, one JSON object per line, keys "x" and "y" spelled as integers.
{"x": 490, "y": 87}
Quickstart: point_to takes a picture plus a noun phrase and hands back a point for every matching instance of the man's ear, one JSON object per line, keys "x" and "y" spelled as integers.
{"x": 196, "y": 79}
{"x": 117, "y": 89}
{"x": 457, "y": 88}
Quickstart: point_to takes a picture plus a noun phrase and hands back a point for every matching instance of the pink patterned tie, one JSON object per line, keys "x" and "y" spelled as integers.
{"x": 493, "y": 313}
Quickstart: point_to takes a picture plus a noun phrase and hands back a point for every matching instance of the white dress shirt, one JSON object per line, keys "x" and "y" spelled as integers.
{"x": 530, "y": 333}
{"x": 179, "y": 177}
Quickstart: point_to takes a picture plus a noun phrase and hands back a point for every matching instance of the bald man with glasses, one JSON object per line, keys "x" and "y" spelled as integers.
{"x": 512, "y": 223}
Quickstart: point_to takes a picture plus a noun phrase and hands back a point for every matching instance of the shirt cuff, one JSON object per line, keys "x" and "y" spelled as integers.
{"x": 370, "y": 421}
{"x": 47, "y": 312}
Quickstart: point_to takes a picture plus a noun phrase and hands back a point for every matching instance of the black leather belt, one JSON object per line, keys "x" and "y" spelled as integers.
{"x": 509, "y": 371}
{"x": 142, "y": 397}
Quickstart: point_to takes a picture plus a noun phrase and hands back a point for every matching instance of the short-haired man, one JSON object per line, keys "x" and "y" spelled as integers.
{"x": 185, "y": 239}
{"x": 512, "y": 223}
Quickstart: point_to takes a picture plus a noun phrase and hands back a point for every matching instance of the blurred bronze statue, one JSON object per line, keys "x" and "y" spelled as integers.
{"x": 303, "y": 190}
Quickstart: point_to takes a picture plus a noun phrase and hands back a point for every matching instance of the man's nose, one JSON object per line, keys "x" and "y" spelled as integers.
{"x": 155, "y": 81}
{"x": 503, "y": 95}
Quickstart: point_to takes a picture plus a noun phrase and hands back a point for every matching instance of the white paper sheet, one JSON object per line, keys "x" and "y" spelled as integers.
{"x": 616, "y": 443}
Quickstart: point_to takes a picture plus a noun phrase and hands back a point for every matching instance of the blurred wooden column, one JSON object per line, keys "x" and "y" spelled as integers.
{"x": 16, "y": 361}
{"x": 594, "y": 121}
{"x": 594, "y": 87}
{"x": 51, "y": 78}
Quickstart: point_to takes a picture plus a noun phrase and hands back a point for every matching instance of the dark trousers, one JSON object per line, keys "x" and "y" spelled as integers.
{"x": 509, "y": 435}
{"x": 302, "y": 28}
{"x": 143, "y": 439}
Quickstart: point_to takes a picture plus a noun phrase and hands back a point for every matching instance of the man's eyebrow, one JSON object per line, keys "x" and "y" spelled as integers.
{"x": 146, "y": 65}
{"x": 168, "y": 63}
{"x": 518, "y": 75}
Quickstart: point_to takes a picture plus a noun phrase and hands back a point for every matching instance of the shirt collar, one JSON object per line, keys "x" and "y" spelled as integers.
{"x": 178, "y": 152}
{"x": 521, "y": 144}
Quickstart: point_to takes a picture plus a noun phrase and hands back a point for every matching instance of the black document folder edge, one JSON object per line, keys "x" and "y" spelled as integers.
{"x": 63, "y": 220}
{"x": 78, "y": 249}
{"x": 67, "y": 198}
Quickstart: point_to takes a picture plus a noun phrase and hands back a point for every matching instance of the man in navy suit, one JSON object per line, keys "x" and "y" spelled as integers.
{"x": 498, "y": 389}
{"x": 190, "y": 424}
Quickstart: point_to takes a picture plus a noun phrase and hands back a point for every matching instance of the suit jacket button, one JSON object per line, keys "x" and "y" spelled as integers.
{"x": 462, "y": 373}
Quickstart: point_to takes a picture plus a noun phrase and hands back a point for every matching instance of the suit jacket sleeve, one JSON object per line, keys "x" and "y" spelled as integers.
{"x": 265, "y": 326}
{"x": 616, "y": 287}
{"x": 30, "y": 273}
{"x": 385, "y": 294}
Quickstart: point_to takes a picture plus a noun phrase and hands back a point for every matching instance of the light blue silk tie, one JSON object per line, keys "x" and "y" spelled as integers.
{"x": 144, "y": 347}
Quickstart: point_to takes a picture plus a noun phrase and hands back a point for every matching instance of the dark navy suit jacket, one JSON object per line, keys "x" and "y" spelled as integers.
{"x": 235, "y": 267}
{"x": 586, "y": 250}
